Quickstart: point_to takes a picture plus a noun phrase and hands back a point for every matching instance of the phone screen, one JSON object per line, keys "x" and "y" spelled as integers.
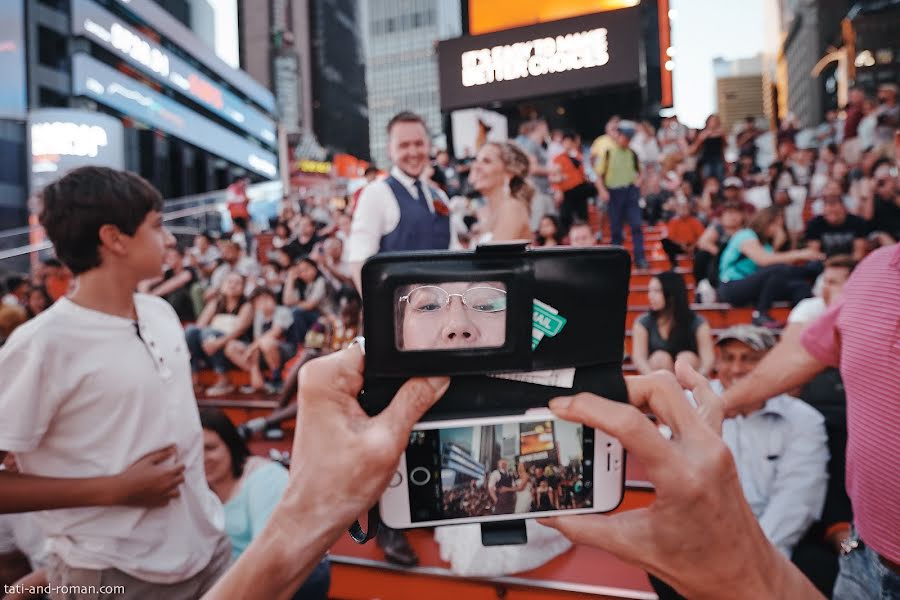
{"x": 509, "y": 468}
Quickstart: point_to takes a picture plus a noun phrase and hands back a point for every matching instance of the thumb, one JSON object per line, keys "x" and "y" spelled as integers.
{"x": 709, "y": 405}
{"x": 619, "y": 534}
{"x": 412, "y": 400}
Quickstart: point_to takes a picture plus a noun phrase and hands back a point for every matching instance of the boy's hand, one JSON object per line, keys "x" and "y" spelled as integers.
{"x": 152, "y": 481}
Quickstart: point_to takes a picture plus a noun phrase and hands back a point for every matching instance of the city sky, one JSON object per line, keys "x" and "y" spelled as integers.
{"x": 701, "y": 31}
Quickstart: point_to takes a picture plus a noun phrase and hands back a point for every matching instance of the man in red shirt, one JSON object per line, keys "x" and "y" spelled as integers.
{"x": 683, "y": 231}
{"x": 860, "y": 334}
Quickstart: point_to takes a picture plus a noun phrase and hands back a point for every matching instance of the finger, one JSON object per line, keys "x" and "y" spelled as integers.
{"x": 709, "y": 403}
{"x": 161, "y": 455}
{"x": 662, "y": 394}
{"x": 621, "y": 534}
{"x": 409, "y": 404}
{"x": 625, "y": 422}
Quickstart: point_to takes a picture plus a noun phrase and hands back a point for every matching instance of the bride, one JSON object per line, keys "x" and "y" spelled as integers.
{"x": 524, "y": 491}
{"x": 498, "y": 174}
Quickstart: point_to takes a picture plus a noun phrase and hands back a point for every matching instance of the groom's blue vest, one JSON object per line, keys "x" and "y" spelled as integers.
{"x": 419, "y": 228}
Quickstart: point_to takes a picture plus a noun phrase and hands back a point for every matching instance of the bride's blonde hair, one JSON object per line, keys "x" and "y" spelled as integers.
{"x": 516, "y": 162}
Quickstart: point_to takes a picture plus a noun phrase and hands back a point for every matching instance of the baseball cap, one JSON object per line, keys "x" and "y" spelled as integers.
{"x": 734, "y": 182}
{"x": 627, "y": 131}
{"x": 758, "y": 338}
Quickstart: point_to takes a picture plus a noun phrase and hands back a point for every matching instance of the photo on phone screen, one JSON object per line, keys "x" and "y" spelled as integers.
{"x": 500, "y": 471}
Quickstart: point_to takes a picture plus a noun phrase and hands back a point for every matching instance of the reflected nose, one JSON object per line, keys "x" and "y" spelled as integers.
{"x": 458, "y": 327}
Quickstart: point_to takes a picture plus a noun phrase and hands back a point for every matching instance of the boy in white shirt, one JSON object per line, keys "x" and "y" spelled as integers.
{"x": 98, "y": 406}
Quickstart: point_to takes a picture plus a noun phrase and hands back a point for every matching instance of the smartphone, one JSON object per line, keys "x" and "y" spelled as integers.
{"x": 503, "y": 468}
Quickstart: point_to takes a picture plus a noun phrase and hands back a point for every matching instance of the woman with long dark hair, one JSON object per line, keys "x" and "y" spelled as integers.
{"x": 751, "y": 272}
{"x": 670, "y": 330}
{"x": 249, "y": 488}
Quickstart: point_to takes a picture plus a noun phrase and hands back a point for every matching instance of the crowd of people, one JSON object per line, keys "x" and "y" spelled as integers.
{"x": 523, "y": 488}
{"x": 119, "y": 492}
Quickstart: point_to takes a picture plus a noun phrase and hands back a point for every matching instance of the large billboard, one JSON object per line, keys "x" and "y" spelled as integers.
{"x": 13, "y": 98}
{"x": 126, "y": 42}
{"x": 62, "y": 139}
{"x": 591, "y": 51}
{"x": 167, "y": 26}
{"x": 107, "y": 86}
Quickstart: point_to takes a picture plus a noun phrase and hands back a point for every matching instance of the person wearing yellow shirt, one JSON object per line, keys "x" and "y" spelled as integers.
{"x": 618, "y": 184}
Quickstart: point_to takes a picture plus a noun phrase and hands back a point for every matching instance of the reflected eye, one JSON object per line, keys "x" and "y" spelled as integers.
{"x": 427, "y": 298}
{"x": 486, "y": 299}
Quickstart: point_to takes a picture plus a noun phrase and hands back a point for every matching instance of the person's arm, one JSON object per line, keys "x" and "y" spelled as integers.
{"x": 244, "y": 321}
{"x": 860, "y": 246}
{"x": 491, "y": 487}
{"x": 709, "y": 240}
{"x": 640, "y": 339}
{"x": 145, "y": 286}
{"x": 34, "y": 579}
{"x": 151, "y": 481}
{"x": 705, "y": 349}
{"x": 315, "y": 295}
{"x": 694, "y": 148}
{"x": 752, "y": 249}
{"x": 698, "y": 496}
{"x": 368, "y": 225}
{"x": 355, "y": 473}
{"x": 173, "y": 283}
{"x": 289, "y": 295}
{"x": 798, "y": 491}
{"x": 207, "y": 314}
{"x": 814, "y": 245}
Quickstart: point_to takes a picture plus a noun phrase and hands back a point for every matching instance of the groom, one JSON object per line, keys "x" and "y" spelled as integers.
{"x": 404, "y": 211}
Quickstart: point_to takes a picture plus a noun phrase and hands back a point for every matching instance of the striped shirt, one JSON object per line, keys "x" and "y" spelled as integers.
{"x": 861, "y": 336}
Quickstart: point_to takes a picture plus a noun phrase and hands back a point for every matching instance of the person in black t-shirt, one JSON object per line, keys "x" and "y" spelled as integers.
{"x": 885, "y": 221}
{"x": 304, "y": 239}
{"x": 174, "y": 286}
{"x": 836, "y": 231}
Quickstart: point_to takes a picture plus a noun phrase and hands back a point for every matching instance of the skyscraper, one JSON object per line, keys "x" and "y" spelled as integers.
{"x": 401, "y": 61}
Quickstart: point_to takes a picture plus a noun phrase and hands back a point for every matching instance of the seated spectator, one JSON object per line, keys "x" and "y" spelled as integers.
{"x": 233, "y": 260}
{"x": 880, "y": 205}
{"x": 328, "y": 255}
{"x": 273, "y": 276}
{"x": 836, "y": 231}
{"x": 670, "y": 330}
{"x": 281, "y": 235}
{"x": 751, "y": 272}
{"x": 17, "y": 288}
{"x": 548, "y": 232}
{"x": 240, "y": 235}
{"x": 570, "y": 185}
{"x": 581, "y": 236}
{"x": 226, "y": 317}
{"x": 268, "y": 348}
{"x": 837, "y": 271}
{"x": 780, "y": 450}
{"x": 204, "y": 254}
{"x": 303, "y": 238}
{"x": 306, "y": 293}
{"x": 249, "y": 487}
{"x": 174, "y": 285}
{"x": 38, "y": 301}
{"x": 714, "y": 239}
{"x": 683, "y": 232}
{"x": 23, "y": 548}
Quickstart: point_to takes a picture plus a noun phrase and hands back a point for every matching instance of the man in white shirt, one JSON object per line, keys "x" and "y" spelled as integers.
{"x": 97, "y": 404}
{"x": 781, "y": 450}
{"x": 404, "y": 211}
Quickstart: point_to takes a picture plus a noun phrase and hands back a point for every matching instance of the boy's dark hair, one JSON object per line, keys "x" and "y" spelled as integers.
{"x": 215, "y": 420}
{"x": 76, "y": 206}
{"x": 51, "y": 262}
{"x": 262, "y": 290}
{"x": 569, "y": 134}
{"x": 841, "y": 261}
{"x": 405, "y": 116}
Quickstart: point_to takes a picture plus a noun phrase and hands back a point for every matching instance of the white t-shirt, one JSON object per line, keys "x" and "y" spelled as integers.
{"x": 89, "y": 398}
{"x": 807, "y": 310}
{"x": 20, "y": 532}
{"x": 378, "y": 213}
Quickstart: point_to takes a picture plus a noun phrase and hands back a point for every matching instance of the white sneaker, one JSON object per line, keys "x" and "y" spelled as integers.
{"x": 705, "y": 293}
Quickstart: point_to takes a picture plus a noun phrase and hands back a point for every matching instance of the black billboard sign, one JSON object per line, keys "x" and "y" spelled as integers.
{"x": 584, "y": 52}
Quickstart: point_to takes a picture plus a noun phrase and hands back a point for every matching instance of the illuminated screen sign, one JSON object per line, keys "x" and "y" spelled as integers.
{"x": 13, "y": 98}
{"x": 62, "y": 139}
{"x": 536, "y": 437}
{"x": 549, "y": 58}
{"x": 107, "y": 86}
{"x": 126, "y": 42}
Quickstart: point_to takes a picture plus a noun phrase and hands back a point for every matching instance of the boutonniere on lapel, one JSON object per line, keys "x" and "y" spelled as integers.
{"x": 440, "y": 208}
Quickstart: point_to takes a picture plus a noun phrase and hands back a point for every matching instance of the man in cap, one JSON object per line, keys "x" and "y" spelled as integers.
{"x": 781, "y": 450}
{"x": 617, "y": 184}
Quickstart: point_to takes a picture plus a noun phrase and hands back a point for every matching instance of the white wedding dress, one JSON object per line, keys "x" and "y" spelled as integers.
{"x": 461, "y": 547}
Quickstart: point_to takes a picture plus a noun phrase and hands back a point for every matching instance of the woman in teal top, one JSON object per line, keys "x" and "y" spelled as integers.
{"x": 249, "y": 488}
{"x": 750, "y": 272}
